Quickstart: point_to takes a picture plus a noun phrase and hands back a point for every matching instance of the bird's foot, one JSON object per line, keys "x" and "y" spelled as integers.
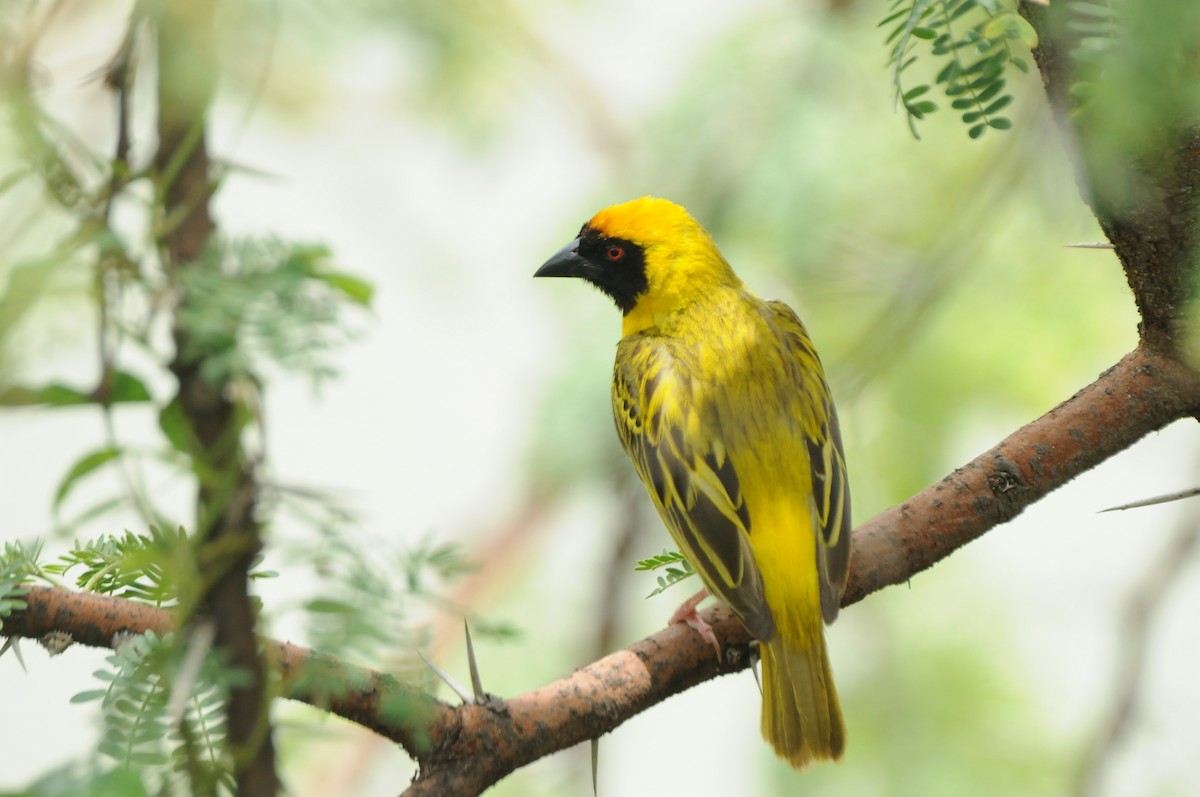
{"x": 686, "y": 613}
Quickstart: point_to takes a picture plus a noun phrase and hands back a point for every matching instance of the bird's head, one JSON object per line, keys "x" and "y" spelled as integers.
{"x": 649, "y": 255}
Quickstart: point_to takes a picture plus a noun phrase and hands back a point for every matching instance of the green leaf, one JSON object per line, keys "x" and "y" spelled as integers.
{"x": 998, "y": 104}
{"x": 175, "y": 427}
{"x": 987, "y": 65}
{"x": 54, "y": 395}
{"x": 981, "y": 83}
{"x": 86, "y": 464}
{"x": 105, "y": 507}
{"x": 353, "y": 288}
{"x": 923, "y": 107}
{"x": 915, "y": 92}
{"x": 997, "y": 26}
{"x": 949, "y": 71}
{"x": 661, "y": 560}
{"x": 1000, "y": 123}
{"x": 62, "y": 396}
{"x": 88, "y": 696}
{"x": 1025, "y": 32}
{"x": 962, "y": 9}
{"x": 17, "y": 396}
{"x": 673, "y": 574}
{"x": 125, "y": 388}
{"x": 924, "y": 33}
{"x": 329, "y": 606}
{"x": 976, "y": 131}
{"x": 989, "y": 92}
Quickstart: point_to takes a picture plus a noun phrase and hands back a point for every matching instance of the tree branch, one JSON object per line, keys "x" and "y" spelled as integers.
{"x": 1142, "y": 393}
{"x": 228, "y": 493}
{"x": 463, "y": 750}
{"x": 374, "y": 700}
{"x": 1143, "y": 191}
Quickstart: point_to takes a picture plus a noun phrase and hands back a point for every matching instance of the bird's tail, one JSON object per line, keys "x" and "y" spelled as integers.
{"x": 801, "y": 717}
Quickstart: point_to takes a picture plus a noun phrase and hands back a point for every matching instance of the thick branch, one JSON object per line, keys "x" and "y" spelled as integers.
{"x": 374, "y": 700}
{"x": 463, "y": 750}
{"x": 1142, "y": 393}
{"x": 228, "y": 489}
{"x": 1143, "y": 191}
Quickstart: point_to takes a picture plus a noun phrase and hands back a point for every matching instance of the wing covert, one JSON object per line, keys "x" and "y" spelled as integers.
{"x": 823, "y": 441}
{"x": 693, "y": 485}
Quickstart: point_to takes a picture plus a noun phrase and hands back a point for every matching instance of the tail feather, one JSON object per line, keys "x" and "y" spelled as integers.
{"x": 801, "y": 717}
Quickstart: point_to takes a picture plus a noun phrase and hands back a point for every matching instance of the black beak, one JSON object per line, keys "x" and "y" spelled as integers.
{"x": 568, "y": 263}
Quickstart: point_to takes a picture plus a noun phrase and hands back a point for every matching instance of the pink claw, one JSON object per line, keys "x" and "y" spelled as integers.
{"x": 686, "y": 613}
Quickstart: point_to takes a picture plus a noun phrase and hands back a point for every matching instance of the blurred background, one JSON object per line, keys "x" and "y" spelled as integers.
{"x": 443, "y": 150}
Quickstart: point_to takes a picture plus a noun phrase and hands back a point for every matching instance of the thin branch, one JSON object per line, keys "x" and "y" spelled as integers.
{"x": 464, "y": 749}
{"x": 374, "y": 700}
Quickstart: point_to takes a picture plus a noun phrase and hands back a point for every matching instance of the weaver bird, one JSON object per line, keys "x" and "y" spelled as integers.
{"x": 721, "y": 403}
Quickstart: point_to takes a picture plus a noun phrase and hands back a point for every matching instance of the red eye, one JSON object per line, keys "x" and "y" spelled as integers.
{"x": 614, "y": 252}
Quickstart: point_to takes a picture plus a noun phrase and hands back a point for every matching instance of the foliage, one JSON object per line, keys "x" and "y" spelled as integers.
{"x": 134, "y": 566}
{"x": 975, "y": 41}
{"x": 162, "y": 707}
{"x": 17, "y": 564}
{"x": 255, "y": 303}
{"x": 677, "y": 567}
{"x": 247, "y": 308}
{"x": 371, "y": 590}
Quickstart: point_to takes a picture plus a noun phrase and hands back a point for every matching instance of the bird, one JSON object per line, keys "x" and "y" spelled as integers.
{"x": 721, "y": 403}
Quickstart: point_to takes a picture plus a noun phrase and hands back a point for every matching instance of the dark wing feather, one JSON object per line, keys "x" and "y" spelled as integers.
{"x": 697, "y": 492}
{"x": 830, "y": 488}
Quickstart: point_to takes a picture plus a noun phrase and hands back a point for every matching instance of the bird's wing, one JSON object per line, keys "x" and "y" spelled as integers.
{"x": 823, "y": 439}
{"x": 693, "y": 484}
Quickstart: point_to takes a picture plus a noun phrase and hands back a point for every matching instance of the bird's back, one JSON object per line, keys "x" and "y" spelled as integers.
{"x": 720, "y": 381}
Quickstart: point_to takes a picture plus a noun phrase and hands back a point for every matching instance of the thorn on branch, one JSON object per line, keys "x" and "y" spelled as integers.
{"x": 14, "y": 643}
{"x": 1160, "y": 499}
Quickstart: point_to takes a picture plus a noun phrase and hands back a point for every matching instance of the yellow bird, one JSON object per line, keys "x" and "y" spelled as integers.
{"x": 721, "y": 403}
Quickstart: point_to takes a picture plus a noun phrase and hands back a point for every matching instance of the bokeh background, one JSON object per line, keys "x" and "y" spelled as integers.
{"x": 443, "y": 150}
